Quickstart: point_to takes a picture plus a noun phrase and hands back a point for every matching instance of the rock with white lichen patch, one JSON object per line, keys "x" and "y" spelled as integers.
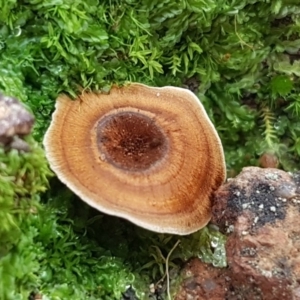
{"x": 263, "y": 251}
{"x": 15, "y": 123}
{"x": 259, "y": 211}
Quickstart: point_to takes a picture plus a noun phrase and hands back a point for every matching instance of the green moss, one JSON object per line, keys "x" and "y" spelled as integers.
{"x": 244, "y": 54}
{"x": 60, "y": 247}
{"x": 22, "y": 178}
{"x": 39, "y": 250}
{"x": 65, "y": 250}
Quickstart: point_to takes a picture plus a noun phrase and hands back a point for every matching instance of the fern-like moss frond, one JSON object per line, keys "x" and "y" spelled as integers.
{"x": 268, "y": 123}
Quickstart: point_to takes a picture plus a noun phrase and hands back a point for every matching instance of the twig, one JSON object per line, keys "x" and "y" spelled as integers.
{"x": 167, "y": 268}
{"x": 239, "y": 37}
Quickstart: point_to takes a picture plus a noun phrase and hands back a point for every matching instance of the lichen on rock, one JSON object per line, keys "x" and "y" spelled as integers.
{"x": 15, "y": 123}
{"x": 259, "y": 212}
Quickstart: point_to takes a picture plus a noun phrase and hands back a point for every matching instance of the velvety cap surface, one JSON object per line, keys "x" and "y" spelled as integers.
{"x": 149, "y": 155}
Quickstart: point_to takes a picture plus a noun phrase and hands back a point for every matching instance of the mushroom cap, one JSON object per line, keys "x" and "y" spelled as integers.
{"x": 149, "y": 155}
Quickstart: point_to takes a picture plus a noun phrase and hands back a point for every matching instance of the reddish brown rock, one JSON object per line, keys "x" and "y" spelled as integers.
{"x": 259, "y": 211}
{"x": 268, "y": 160}
{"x": 202, "y": 281}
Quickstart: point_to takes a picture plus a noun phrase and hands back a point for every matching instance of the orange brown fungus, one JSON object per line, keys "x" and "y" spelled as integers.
{"x": 130, "y": 141}
{"x": 149, "y": 155}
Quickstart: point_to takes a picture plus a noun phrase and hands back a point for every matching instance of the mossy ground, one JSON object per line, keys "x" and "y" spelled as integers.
{"x": 240, "y": 57}
{"x": 58, "y": 246}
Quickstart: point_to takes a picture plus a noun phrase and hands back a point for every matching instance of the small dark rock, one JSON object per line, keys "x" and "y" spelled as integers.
{"x": 192, "y": 84}
{"x": 129, "y": 294}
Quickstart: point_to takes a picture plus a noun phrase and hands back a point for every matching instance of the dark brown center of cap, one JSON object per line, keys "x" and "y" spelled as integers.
{"x": 130, "y": 141}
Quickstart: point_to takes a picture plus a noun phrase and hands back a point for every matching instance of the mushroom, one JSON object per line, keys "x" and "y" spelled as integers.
{"x": 149, "y": 155}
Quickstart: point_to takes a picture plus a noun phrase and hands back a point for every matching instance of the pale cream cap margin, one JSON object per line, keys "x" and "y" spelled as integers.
{"x": 205, "y": 163}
